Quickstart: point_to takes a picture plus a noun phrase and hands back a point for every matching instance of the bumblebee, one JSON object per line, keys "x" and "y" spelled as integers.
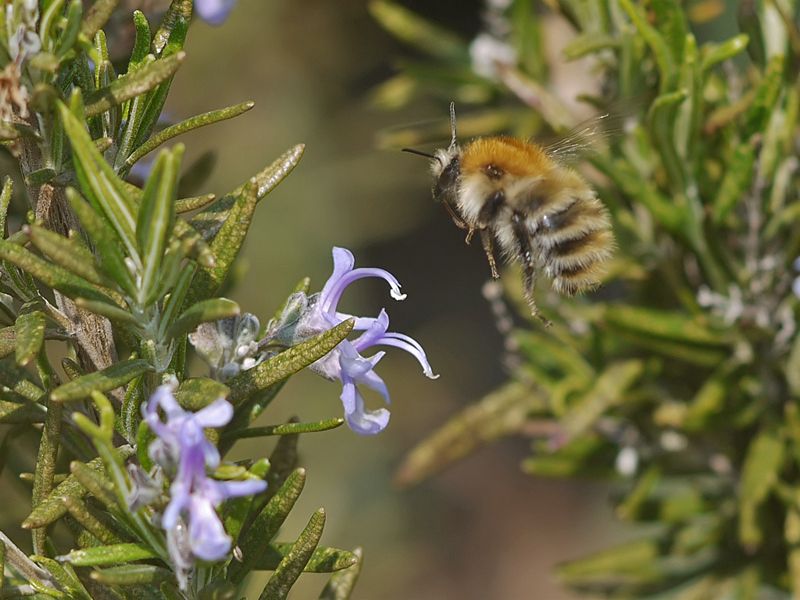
{"x": 521, "y": 196}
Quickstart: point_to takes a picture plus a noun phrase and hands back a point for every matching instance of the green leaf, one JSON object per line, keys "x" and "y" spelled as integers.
{"x": 226, "y": 244}
{"x": 108, "y": 555}
{"x": 8, "y": 341}
{"x": 294, "y": 562}
{"x": 52, "y": 508}
{"x": 584, "y": 456}
{"x": 609, "y": 390}
{"x": 736, "y": 181}
{"x": 254, "y": 538}
{"x": 110, "y": 311}
{"x": 184, "y": 205}
{"x": 64, "y": 575}
{"x": 131, "y": 575}
{"x": 5, "y": 201}
{"x": 713, "y": 54}
{"x": 286, "y": 363}
{"x": 204, "y": 311}
{"x": 106, "y": 380}
{"x": 209, "y": 118}
{"x": 497, "y": 415}
{"x": 66, "y": 252}
{"x": 198, "y": 392}
{"x": 340, "y": 585}
{"x": 93, "y": 481}
{"x": 417, "y": 32}
{"x": 97, "y": 16}
{"x": 109, "y": 254}
{"x": 105, "y": 191}
{"x": 29, "y": 329}
{"x": 156, "y": 218}
{"x": 140, "y": 81}
{"x": 671, "y": 23}
{"x": 664, "y": 324}
{"x": 81, "y": 513}
{"x": 658, "y": 45}
{"x": 71, "y": 28}
{"x": 286, "y": 429}
{"x": 51, "y": 275}
{"x": 141, "y": 44}
{"x": 173, "y": 26}
{"x": 767, "y": 94}
{"x": 760, "y": 473}
{"x": 21, "y": 412}
{"x": 636, "y": 558}
{"x": 323, "y": 560}
{"x": 588, "y": 43}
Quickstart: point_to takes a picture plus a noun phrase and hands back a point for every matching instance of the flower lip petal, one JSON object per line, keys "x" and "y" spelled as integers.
{"x": 359, "y": 419}
{"x": 216, "y": 414}
{"x": 234, "y": 489}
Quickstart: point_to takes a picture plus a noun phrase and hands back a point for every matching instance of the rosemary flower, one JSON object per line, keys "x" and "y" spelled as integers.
{"x": 306, "y": 317}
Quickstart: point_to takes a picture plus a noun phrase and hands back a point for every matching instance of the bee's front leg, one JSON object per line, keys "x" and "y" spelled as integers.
{"x": 456, "y": 218}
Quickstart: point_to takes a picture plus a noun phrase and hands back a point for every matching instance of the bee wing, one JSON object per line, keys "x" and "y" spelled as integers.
{"x": 584, "y": 137}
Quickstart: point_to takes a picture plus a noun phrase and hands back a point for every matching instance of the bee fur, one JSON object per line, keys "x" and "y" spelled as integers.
{"x": 540, "y": 213}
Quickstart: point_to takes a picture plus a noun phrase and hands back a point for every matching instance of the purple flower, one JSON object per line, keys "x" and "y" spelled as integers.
{"x": 319, "y": 313}
{"x": 214, "y": 12}
{"x": 185, "y": 453}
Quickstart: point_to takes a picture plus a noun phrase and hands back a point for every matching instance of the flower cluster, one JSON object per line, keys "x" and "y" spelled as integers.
{"x": 21, "y": 20}
{"x": 229, "y": 346}
{"x": 306, "y": 317}
{"x": 194, "y": 529}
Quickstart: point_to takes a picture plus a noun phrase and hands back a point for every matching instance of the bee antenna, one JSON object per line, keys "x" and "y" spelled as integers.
{"x": 417, "y": 152}
{"x": 421, "y": 153}
{"x": 452, "y": 124}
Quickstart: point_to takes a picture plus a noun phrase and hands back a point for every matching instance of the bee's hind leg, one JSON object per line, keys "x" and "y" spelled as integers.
{"x": 528, "y": 264}
{"x": 488, "y": 247}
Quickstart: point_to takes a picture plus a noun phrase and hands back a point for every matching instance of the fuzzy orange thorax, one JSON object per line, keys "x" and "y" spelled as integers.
{"x": 511, "y": 155}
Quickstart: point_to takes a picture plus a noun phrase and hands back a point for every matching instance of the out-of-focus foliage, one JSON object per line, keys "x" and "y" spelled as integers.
{"x": 113, "y": 277}
{"x": 678, "y": 379}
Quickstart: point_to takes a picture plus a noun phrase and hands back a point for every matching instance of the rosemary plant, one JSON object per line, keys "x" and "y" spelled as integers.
{"x": 678, "y": 379}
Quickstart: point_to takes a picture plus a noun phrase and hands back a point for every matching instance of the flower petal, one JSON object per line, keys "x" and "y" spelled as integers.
{"x": 331, "y": 300}
{"x": 235, "y": 489}
{"x": 216, "y": 414}
{"x": 343, "y": 262}
{"x": 410, "y": 345}
{"x": 214, "y": 12}
{"x": 358, "y": 418}
{"x": 374, "y": 381}
{"x": 207, "y": 536}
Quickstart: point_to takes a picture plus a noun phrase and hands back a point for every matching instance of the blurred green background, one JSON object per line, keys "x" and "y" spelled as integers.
{"x": 483, "y": 529}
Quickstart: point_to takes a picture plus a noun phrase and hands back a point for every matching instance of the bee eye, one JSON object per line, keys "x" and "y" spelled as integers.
{"x": 493, "y": 171}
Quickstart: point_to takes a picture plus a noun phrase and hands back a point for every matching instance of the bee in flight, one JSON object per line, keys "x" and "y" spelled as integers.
{"x": 540, "y": 212}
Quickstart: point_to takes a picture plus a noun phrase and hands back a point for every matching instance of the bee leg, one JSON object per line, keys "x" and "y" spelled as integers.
{"x": 488, "y": 247}
{"x": 486, "y": 216}
{"x": 470, "y": 233}
{"x": 460, "y": 223}
{"x": 528, "y": 264}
